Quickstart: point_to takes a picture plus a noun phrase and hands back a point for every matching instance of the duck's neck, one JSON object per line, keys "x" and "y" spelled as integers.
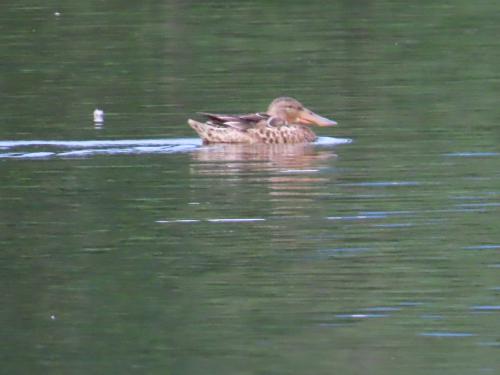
{"x": 278, "y": 114}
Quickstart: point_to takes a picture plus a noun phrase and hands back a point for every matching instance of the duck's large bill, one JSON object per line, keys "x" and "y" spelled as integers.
{"x": 308, "y": 117}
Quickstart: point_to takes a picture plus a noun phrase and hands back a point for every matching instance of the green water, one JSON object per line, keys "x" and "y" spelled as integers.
{"x": 375, "y": 257}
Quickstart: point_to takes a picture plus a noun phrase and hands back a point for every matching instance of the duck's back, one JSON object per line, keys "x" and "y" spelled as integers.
{"x": 283, "y": 134}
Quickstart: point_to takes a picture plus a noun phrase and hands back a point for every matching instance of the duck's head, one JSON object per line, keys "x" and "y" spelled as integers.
{"x": 291, "y": 111}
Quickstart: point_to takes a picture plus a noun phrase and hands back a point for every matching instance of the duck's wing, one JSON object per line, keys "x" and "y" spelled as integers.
{"x": 239, "y": 122}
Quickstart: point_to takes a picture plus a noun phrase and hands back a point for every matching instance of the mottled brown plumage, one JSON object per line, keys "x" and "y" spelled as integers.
{"x": 285, "y": 121}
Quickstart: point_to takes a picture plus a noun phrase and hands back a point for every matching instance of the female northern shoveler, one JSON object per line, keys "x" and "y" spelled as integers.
{"x": 283, "y": 122}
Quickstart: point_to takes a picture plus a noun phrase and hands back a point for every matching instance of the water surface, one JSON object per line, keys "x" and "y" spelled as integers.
{"x": 127, "y": 247}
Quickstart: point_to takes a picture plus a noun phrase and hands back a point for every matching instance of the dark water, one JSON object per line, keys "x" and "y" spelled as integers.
{"x": 139, "y": 251}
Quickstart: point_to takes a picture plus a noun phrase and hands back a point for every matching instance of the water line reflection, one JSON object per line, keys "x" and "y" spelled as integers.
{"x": 291, "y": 173}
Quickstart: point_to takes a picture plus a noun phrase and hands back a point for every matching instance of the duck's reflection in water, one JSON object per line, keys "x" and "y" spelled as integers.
{"x": 291, "y": 175}
{"x": 237, "y": 158}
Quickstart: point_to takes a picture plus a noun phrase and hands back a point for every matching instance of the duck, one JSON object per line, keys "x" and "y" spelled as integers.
{"x": 286, "y": 121}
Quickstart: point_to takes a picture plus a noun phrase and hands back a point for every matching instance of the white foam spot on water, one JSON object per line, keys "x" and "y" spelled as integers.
{"x": 331, "y": 141}
{"x": 98, "y": 115}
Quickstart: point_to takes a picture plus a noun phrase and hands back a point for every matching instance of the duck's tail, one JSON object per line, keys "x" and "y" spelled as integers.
{"x": 216, "y": 134}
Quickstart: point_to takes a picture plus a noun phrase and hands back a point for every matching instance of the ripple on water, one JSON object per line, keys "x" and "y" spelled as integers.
{"x": 101, "y": 143}
{"x": 486, "y": 308}
{"x": 116, "y": 147}
{"x": 382, "y": 184}
{"x": 482, "y": 247}
{"x": 30, "y": 155}
{"x": 388, "y": 213}
{"x": 394, "y": 225}
{"x": 185, "y": 221}
{"x": 225, "y": 220}
{"x": 382, "y": 309}
{"x": 492, "y": 344}
{"x": 235, "y": 220}
{"x": 298, "y": 171}
{"x": 446, "y": 334}
{"x": 361, "y": 316}
{"x": 472, "y": 154}
{"x": 474, "y": 205}
{"x": 356, "y": 217}
{"x": 76, "y": 149}
{"x": 343, "y": 251}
